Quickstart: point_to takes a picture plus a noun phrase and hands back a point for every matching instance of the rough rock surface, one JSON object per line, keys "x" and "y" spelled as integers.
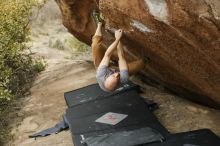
{"x": 181, "y": 38}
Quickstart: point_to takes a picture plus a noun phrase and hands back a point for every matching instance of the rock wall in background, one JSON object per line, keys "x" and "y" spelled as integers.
{"x": 181, "y": 38}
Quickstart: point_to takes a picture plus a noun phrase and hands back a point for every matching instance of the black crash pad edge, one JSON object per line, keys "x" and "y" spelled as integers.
{"x": 133, "y": 87}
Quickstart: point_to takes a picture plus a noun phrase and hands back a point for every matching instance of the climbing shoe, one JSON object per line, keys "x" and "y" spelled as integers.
{"x": 146, "y": 60}
{"x": 97, "y": 16}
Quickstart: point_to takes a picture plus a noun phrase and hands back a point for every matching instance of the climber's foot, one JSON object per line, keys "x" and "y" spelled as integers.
{"x": 97, "y": 16}
{"x": 99, "y": 24}
{"x": 146, "y": 60}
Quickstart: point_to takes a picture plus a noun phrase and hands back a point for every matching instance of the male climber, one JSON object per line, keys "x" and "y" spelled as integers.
{"x": 109, "y": 78}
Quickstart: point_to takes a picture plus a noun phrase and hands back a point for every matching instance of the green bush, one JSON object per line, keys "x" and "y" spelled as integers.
{"x": 18, "y": 68}
{"x": 14, "y": 63}
{"x": 77, "y": 45}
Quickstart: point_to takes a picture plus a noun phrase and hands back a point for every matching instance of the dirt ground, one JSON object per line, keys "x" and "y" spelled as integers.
{"x": 66, "y": 71}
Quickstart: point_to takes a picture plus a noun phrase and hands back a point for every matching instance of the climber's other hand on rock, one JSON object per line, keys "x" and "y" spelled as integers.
{"x": 118, "y": 34}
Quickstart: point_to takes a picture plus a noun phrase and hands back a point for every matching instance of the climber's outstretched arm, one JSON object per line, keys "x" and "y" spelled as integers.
{"x": 111, "y": 48}
{"x": 122, "y": 62}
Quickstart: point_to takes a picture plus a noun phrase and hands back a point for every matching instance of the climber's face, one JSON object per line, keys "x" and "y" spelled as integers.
{"x": 112, "y": 81}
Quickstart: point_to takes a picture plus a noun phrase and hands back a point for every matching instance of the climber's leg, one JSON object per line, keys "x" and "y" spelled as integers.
{"x": 97, "y": 51}
{"x": 133, "y": 67}
{"x": 136, "y": 66}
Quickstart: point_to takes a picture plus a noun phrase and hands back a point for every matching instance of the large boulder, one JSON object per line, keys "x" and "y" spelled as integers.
{"x": 181, "y": 38}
